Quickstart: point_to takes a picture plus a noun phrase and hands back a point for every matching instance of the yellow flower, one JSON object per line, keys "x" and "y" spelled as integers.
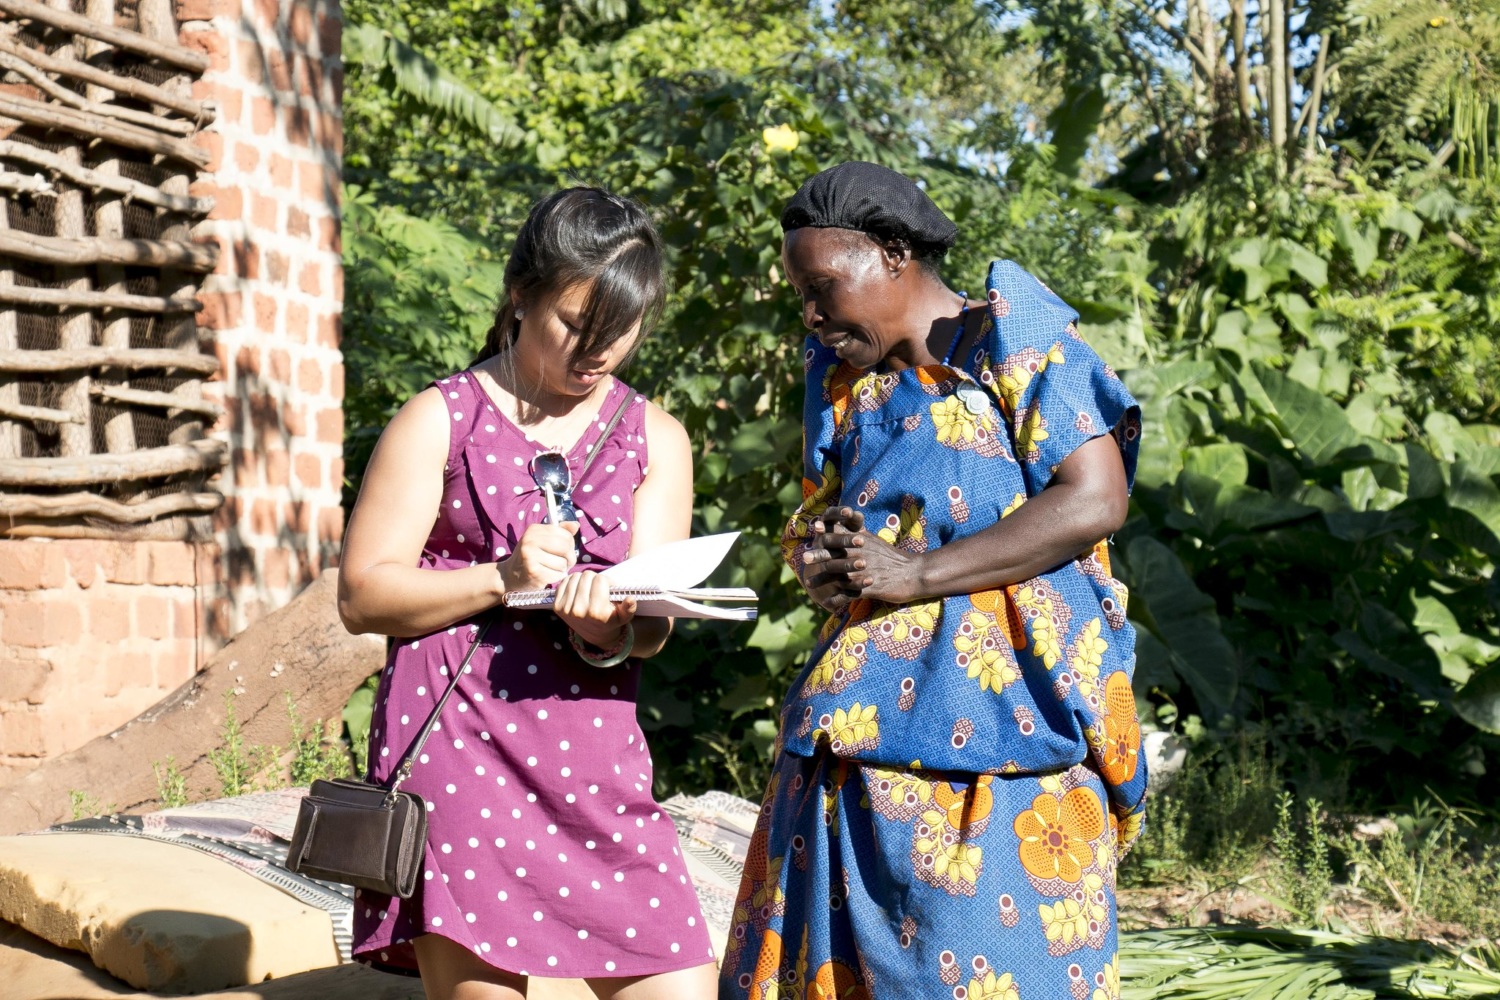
{"x": 780, "y": 138}
{"x": 1064, "y": 921}
{"x": 841, "y": 664}
{"x": 993, "y": 987}
{"x": 1088, "y": 655}
{"x": 1437, "y": 22}
{"x": 1014, "y": 505}
{"x": 1043, "y": 631}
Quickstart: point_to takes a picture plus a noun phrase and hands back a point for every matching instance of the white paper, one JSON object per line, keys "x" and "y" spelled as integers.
{"x": 674, "y": 566}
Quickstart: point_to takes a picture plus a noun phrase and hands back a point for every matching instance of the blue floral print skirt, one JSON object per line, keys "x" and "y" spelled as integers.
{"x": 863, "y": 882}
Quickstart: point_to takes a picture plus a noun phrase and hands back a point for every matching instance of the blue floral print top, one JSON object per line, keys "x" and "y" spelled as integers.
{"x": 1030, "y": 678}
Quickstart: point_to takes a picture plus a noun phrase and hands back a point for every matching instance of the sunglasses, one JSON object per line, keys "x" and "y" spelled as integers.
{"x": 549, "y": 470}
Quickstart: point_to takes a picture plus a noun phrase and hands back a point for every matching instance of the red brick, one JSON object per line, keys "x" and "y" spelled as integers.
{"x": 281, "y": 366}
{"x": 329, "y": 235}
{"x": 309, "y": 73}
{"x": 311, "y": 280}
{"x": 309, "y": 471}
{"x": 265, "y": 313}
{"x": 252, "y": 62}
{"x": 297, "y": 223}
{"x": 185, "y": 618}
{"x": 299, "y": 127}
{"x": 309, "y": 376}
{"x": 247, "y": 464}
{"x": 294, "y": 419}
{"x": 336, "y": 471}
{"x": 330, "y": 525}
{"x": 217, "y": 617}
{"x": 211, "y": 44}
{"x": 22, "y": 733}
{"x": 24, "y": 680}
{"x": 203, "y": 10}
{"x": 41, "y": 623}
{"x": 330, "y": 330}
{"x": 246, "y": 156}
{"x": 310, "y": 180}
{"x": 26, "y": 565}
{"x": 262, "y": 116}
{"x": 281, "y": 72}
{"x": 276, "y": 467}
{"x": 268, "y": 12}
{"x": 212, "y": 143}
{"x": 85, "y": 560}
{"x": 172, "y": 564}
{"x": 297, "y": 516}
{"x": 246, "y": 259}
{"x": 330, "y": 34}
{"x": 229, "y": 202}
{"x": 336, "y": 381}
{"x": 230, "y": 101}
{"x": 331, "y": 425}
{"x": 277, "y": 569}
{"x": 263, "y": 517}
{"x": 247, "y": 361}
{"x": 296, "y": 322}
{"x": 281, "y": 171}
{"x": 153, "y": 616}
{"x": 301, "y": 24}
{"x": 124, "y": 562}
{"x": 221, "y": 310}
{"x": 109, "y": 617}
{"x": 338, "y": 283}
{"x": 336, "y": 81}
{"x": 263, "y": 211}
{"x": 277, "y": 265}
{"x": 127, "y": 671}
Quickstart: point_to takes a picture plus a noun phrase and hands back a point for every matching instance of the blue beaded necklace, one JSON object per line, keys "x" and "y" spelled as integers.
{"x": 963, "y": 316}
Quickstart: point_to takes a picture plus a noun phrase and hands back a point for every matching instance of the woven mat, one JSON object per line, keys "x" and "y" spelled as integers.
{"x": 253, "y": 833}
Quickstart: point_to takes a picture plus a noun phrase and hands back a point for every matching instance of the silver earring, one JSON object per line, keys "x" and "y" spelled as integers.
{"x": 520, "y": 313}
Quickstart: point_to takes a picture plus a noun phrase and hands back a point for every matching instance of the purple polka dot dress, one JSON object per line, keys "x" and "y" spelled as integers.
{"x": 546, "y": 853}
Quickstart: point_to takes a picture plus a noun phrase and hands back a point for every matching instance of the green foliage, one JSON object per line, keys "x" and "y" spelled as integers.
{"x": 357, "y": 714}
{"x": 313, "y": 756}
{"x": 1425, "y": 867}
{"x": 84, "y": 805}
{"x": 1317, "y": 514}
{"x": 1304, "y": 874}
{"x": 1235, "y": 963}
{"x": 1215, "y": 821}
{"x": 171, "y": 784}
{"x": 238, "y": 765}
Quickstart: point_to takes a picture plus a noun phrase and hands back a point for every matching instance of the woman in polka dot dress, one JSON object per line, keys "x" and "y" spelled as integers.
{"x": 546, "y": 853}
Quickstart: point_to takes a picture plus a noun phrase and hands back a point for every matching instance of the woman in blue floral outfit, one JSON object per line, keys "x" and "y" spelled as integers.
{"x": 959, "y": 767}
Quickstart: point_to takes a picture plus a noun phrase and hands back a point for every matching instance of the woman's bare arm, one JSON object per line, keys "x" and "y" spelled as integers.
{"x": 1086, "y": 500}
{"x": 381, "y": 588}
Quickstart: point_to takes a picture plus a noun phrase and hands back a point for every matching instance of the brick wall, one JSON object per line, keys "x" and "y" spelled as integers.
{"x": 274, "y": 304}
{"x": 94, "y": 632}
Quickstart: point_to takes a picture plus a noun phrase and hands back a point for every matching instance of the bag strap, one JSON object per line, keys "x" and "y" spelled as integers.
{"x": 608, "y": 429}
{"x": 404, "y": 770}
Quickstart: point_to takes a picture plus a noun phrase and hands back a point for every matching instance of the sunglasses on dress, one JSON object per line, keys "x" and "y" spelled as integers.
{"x": 549, "y": 470}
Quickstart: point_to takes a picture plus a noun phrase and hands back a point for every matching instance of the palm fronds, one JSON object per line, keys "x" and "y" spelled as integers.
{"x": 428, "y": 83}
{"x": 1274, "y": 964}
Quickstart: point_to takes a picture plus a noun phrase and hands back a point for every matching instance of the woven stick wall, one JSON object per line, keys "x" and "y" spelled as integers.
{"x": 102, "y": 413}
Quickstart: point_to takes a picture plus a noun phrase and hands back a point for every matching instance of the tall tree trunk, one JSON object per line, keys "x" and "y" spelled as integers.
{"x": 1274, "y": 30}
{"x": 1237, "y": 31}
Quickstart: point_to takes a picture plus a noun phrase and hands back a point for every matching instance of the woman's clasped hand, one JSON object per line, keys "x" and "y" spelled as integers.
{"x": 847, "y": 563}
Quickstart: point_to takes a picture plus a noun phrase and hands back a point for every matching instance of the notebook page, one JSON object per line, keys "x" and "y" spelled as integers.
{"x": 674, "y": 566}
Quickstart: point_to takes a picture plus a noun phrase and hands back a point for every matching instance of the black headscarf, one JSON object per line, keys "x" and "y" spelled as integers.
{"x": 869, "y": 198}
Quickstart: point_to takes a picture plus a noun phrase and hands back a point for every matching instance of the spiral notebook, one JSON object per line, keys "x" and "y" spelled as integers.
{"x": 664, "y": 582}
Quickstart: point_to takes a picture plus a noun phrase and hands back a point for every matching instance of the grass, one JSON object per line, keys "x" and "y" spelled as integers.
{"x": 1272, "y": 964}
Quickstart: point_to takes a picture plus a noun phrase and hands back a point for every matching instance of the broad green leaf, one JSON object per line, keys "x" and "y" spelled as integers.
{"x": 1475, "y": 494}
{"x": 1185, "y": 622}
{"x": 1478, "y": 702}
{"x": 1313, "y": 422}
{"x": 1361, "y": 241}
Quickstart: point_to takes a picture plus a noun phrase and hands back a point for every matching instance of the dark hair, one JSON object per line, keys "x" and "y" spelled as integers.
{"x": 584, "y": 234}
